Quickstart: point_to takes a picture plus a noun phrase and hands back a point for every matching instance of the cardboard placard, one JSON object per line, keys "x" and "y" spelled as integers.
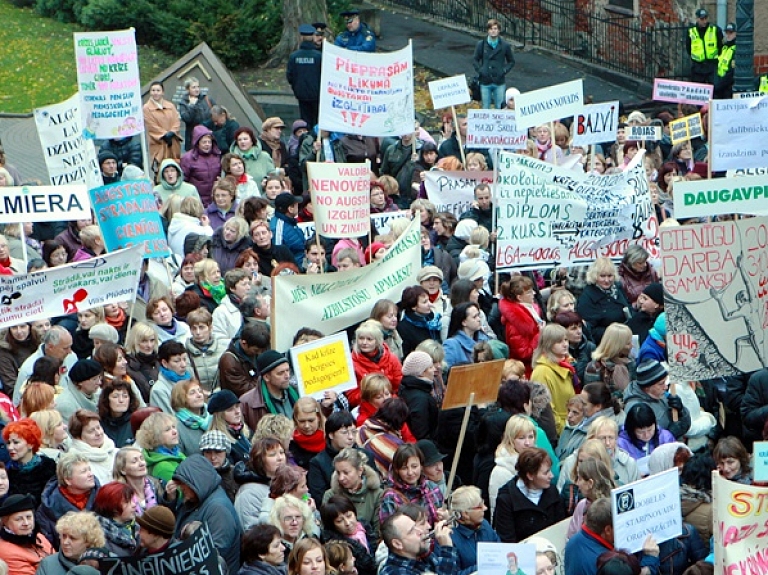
{"x": 447, "y": 92}
{"x": 685, "y": 129}
{"x": 682, "y": 92}
{"x": 643, "y": 133}
{"x": 324, "y": 365}
{"x": 482, "y": 379}
{"x": 549, "y": 104}
{"x": 506, "y": 558}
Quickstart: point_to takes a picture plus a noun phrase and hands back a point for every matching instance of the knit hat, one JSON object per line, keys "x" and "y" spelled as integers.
{"x": 215, "y": 440}
{"x": 221, "y": 401}
{"x": 371, "y": 251}
{"x": 473, "y": 269}
{"x": 105, "y": 155}
{"x": 131, "y": 172}
{"x": 416, "y": 363}
{"x": 663, "y": 457}
{"x": 511, "y": 93}
{"x": 659, "y": 329}
{"x": 464, "y": 229}
{"x": 655, "y": 291}
{"x": 269, "y": 360}
{"x": 193, "y": 243}
{"x": 16, "y": 503}
{"x": 429, "y": 449}
{"x": 84, "y": 369}
{"x": 429, "y": 272}
{"x": 104, "y": 332}
{"x": 649, "y": 372}
{"x": 159, "y": 520}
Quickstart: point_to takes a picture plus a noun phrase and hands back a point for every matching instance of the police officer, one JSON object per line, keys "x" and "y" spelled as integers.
{"x": 303, "y": 74}
{"x": 358, "y": 36}
{"x": 725, "y": 65}
{"x": 319, "y": 34}
{"x": 704, "y": 42}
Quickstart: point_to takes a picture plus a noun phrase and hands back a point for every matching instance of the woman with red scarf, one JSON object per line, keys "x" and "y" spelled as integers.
{"x": 547, "y": 151}
{"x": 308, "y": 436}
{"x": 371, "y": 355}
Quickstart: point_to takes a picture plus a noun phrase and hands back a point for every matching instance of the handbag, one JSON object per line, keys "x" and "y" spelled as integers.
{"x": 474, "y": 89}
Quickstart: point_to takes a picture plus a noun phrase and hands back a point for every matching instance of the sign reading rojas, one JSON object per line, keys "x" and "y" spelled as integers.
{"x": 704, "y": 198}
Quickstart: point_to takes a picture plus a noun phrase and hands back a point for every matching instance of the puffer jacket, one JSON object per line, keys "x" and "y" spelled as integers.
{"x": 54, "y": 506}
{"x": 367, "y": 501}
{"x": 202, "y": 170}
{"x": 206, "y": 360}
{"x": 164, "y": 190}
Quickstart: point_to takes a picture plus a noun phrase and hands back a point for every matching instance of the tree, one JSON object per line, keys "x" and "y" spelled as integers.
{"x": 295, "y": 13}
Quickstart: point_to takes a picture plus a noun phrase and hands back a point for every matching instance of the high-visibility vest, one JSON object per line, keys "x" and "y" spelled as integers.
{"x": 705, "y": 49}
{"x": 725, "y": 60}
{"x": 763, "y": 89}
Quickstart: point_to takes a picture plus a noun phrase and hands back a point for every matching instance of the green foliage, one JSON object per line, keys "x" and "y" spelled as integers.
{"x": 68, "y": 11}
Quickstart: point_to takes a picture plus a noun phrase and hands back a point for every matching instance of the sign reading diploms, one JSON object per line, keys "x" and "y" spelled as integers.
{"x": 324, "y": 365}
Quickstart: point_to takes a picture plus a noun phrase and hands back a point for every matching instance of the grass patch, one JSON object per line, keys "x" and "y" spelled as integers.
{"x": 38, "y": 60}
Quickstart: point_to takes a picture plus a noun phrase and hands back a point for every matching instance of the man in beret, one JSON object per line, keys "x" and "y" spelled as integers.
{"x": 303, "y": 74}
{"x": 358, "y": 36}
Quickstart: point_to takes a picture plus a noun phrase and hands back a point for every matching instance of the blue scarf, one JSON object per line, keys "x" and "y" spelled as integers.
{"x": 174, "y": 377}
{"x": 432, "y": 324}
{"x": 493, "y": 42}
{"x": 163, "y": 450}
{"x": 193, "y": 420}
{"x": 28, "y": 466}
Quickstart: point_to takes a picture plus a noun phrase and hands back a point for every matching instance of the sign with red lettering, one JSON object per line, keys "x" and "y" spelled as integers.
{"x": 596, "y": 123}
{"x": 341, "y": 198}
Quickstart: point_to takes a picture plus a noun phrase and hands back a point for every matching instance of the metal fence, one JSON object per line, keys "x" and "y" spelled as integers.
{"x": 616, "y": 43}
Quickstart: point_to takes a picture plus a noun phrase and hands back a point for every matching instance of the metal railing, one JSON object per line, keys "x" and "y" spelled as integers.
{"x": 615, "y": 42}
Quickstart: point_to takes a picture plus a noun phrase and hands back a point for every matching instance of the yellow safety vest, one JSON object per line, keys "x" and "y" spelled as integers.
{"x": 725, "y": 60}
{"x": 763, "y": 89}
{"x": 705, "y": 49}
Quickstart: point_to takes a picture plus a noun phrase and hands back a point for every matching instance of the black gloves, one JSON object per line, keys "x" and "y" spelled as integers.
{"x": 675, "y": 402}
{"x": 168, "y": 138}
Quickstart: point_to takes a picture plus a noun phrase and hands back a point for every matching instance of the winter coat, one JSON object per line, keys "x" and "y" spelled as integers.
{"x": 286, "y": 232}
{"x": 465, "y": 542}
{"x": 365, "y": 562}
{"x": 583, "y": 549}
{"x": 696, "y": 505}
{"x": 71, "y": 399}
{"x": 307, "y": 153}
{"x": 634, "y": 283}
{"x": 517, "y": 517}
{"x": 193, "y": 115}
{"x": 274, "y": 253}
{"x": 11, "y": 360}
{"x": 158, "y": 121}
{"x": 162, "y": 465}
{"x": 625, "y": 443}
{"x": 367, "y": 501}
{"x": 624, "y": 468}
{"x": 122, "y": 540}
{"x": 164, "y": 190}
{"x": 600, "y": 310}
{"x": 180, "y": 227}
{"x": 238, "y": 373}
{"x": 652, "y": 349}
{"x": 303, "y": 71}
{"x": 143, "y": 370}
{"x": 502, "y": 473}
{"x": 202, "y": 170}
{"x": 224, "y": 136}
{"x": 189, "y": 437}
{"x": 102, "y": 459}
{"x": 582, "y": 355}
{"x": 262, "y": 568}
{"x": 55, "y": 564}
{"x": 26, "y": 370}
{"x": 423, "y": 409}
{"x": 253, "y": 492}
{"x": 679, "y": 553}
{"x": 459, "y": 348}
{"x": 493, "y": 64}
{"x": 118, "y": 429}
{"x": 381, "y": 442}
{"x": 227, "y": 320}
{"x": 206, "y": 360}
{"x": 127, "y": 150}
{"x": 754, "y": 405}
{"x": 415, "y": 328}
{"x": 635, "y": 394}
{"x": 70, "y": 240}
{"x": 31, "y": 481}
{"x": 258, "y": 163}
{"x": 482, "y": 217}
{"x": 640, "y": 324}
{"x": 387, "y": 363}
{"x": 216, "y": 219}
{"x": 425, "y": 493}
{"x": 54, "y": 506}
{"x": 521, "y": 331}
{"x": 559, "y": 381}
{"x": 24, "y": 559}
{"x": 213, "y": 508}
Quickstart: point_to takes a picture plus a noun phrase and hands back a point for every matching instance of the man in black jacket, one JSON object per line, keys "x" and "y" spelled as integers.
{"x": 303, "y": 74}
{"x": 493, "y": 60}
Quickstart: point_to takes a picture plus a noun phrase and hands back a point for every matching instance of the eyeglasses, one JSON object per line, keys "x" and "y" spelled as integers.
{"x": 293, "y": 519}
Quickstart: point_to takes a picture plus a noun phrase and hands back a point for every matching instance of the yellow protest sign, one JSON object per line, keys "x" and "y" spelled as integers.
{"x": 324, "y": 365}
{"x": 684, "y": 129}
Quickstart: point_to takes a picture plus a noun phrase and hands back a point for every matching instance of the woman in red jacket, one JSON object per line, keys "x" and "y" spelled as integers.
{"x": 371, "y": 355}
{"x": 521, "y": 319}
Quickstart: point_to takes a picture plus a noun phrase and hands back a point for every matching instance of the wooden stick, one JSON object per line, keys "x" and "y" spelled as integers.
{"x": 457, "y": 453}
{"x": 25, "y": 255}
{"x": 458, "y": 137}
{"x": 672, "y": 391}
{"x": 552, "y": 140}
{"x": 592, "y": 159}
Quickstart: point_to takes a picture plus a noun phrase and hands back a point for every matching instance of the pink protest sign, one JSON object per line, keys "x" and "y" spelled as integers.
{"x": 682, "y": 92}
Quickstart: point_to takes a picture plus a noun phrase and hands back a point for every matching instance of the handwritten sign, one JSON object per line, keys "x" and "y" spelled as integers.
{"x": 494, "y": 129}
{"x": 324, "y": 365}
{"x": 454, "y": 192}
{"x": 685, "y": 129}
{"x": 449, "y": 92}
{"x": 738, "y": 129}
{"x": 682, "y": 92}
{"x": 108, "y": 79}
{"x": 366, "y": 94}
{"x": 651, "y": 505}
{"x": 549, "y": 104}
{"x": 596, "y": 123}
{"x": 341, "y": 198}
{"x": 643, "y": 133}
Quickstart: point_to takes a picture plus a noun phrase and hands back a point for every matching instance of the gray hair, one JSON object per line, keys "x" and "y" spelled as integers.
{"x": 635, "y": 254}
{"x": 66, "y": 464}
{"x": 53, "y": 336}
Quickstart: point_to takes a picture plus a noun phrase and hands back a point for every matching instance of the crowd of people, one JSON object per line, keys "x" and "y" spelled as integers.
{"x": 126, "y": 427}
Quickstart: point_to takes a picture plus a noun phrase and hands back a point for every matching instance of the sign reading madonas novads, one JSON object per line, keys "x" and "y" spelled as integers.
{"x": 549, "y": 104}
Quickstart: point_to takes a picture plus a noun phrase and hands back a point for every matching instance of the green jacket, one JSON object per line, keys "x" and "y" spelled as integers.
{"x": 161, "y": 465}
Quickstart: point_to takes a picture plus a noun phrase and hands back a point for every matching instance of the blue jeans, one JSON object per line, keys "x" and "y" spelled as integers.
{"x": 493, "y": 93}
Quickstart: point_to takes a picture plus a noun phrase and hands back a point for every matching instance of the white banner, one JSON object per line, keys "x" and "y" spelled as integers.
{"x": 738, "y": 134}
{"x": 70, "y": 158}
{"x": 449, "y": 92}
{"x": 648, "y": 506}
{"x": 454, "y": 192}
{"x": 596, "y": 123}
{"x": 549, "y": 104}
{"x": 367, "y": 94}
{"x": 549, "y": 216}
{"x": 380, "y": 223}
{"x": 494, "y": 129}
{"x": 106, "y": 279}
{"x": 706, "y": 198}
{"x": 332, "y": 302}
{"x": 341, "y": 197}
{"x": 44, "y": 204}
{"x": 643, "y": 133}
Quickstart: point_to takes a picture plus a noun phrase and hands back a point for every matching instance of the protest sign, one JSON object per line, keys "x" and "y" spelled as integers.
{"x": 506, "y": 558}
{"x": 127, "y": 214}
{"x": 548, "y": 216}
{"x": 706, "y": 198}
{"x": 746, "y": 172}
{"x": 549, "y": 104}
{"x": 108, "y": 79}
{"x": 449, "y": 92}
{"x": 380, "y": 223}
{"x": 60, "y": 290}
{"x": 643, "y": 133}
{"x": 324, "y": 365}
{"x": 454, "y": 192}
{"x": 684, "y": 129}
{"x": 760, "y": 451}
{"x": 44, "y": 203}
{"x": 651, "y": 505}
{"x": 738, "y": 130}
{"x": 665, "y": 90}
{"x": 596, "y": 123}
{"x": 740, "y": 530}
{"x": 478, "y": 379}
{"x": 366, "y": 94}
{"x": 195, "y": 554}
{"x": 715, "y": 278}
{"x": 494, "y": 129}
{"x": 332, "y": 302}
{"x": 70, "y": 158}
{"x": 341, "y": 197}
{"x": 743, "y": 95}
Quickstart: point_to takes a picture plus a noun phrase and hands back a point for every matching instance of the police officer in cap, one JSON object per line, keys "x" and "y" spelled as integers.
{"x": 358, "y": 36}
{"x": 726, "y": 65}
{"x": 303, "y": 74}
{"x": 319, "y": 34}
{"x": 704, "y": 43}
